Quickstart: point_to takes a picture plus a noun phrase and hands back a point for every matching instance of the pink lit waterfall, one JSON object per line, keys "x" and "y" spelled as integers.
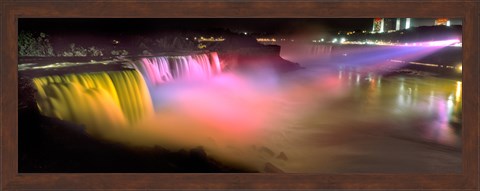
{"x": 162, "y": 69}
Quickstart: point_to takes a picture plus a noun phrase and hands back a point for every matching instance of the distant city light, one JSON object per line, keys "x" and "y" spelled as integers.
{"x": 245, "y": 33}
{"x": 342, "y": 40}
{"x": 211, "y": 39}
{"x": 448, "y": 23}
{"x": 459, "y": 67}
{"x": 202, "y": 46}
{"x": 266, "y": 40}
{"x": 322, "y": 39}
{"x": 424, "y": 64}
{"x": 334, "y": 40}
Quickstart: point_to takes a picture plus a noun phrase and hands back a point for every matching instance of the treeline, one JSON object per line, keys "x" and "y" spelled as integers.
{"x": 40, "y": 45}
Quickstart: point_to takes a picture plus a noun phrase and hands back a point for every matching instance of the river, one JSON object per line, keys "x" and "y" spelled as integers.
{"x": 371, "y": 122}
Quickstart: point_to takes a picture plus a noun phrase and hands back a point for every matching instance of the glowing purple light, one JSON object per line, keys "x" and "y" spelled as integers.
{"x": 443, "y": 43}
{"x": 434, "y": 43}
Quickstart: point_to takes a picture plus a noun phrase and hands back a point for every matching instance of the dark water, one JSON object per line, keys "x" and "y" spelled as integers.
{"x": 435, "y": 102}
{"x": 376, "y": 123}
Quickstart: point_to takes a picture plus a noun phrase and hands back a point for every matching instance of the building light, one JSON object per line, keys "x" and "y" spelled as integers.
{"x": 382, "y": 29}
{"x": 407, "y": 23}
{"x": 397, "y": 24}
{"x": 342, "y": 40}
{"x": 334, "y": 40}
{"x": 378, "y": 25}
{"x": 321, "y": 39}
{"x": 442, "y": 21}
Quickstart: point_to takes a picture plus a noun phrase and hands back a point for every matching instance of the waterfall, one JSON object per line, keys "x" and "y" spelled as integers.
{"x": 321, "y": 49}
{"x": 161, "y": 69}
{"x": 116, "y": 99}
{"x": 96, "y": 100}
{"x": 304, "y": 53}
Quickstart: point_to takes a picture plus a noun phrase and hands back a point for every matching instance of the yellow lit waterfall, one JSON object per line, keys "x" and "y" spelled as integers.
{"x": 97, "y": 100}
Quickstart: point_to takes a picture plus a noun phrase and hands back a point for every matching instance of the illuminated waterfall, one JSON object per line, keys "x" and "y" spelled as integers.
{"x": 112, "y": 99}
{"x": 163, "y": 69}
{"x": 116, "y": 99}
{"x": 306, "y": 52}
{"x": 321, "y": 49}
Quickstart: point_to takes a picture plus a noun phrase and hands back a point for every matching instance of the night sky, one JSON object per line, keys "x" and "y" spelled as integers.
{"x": 277, "y": 26}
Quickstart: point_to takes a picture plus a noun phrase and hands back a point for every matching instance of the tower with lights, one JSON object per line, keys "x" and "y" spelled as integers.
{"x": 378, "y": 25}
